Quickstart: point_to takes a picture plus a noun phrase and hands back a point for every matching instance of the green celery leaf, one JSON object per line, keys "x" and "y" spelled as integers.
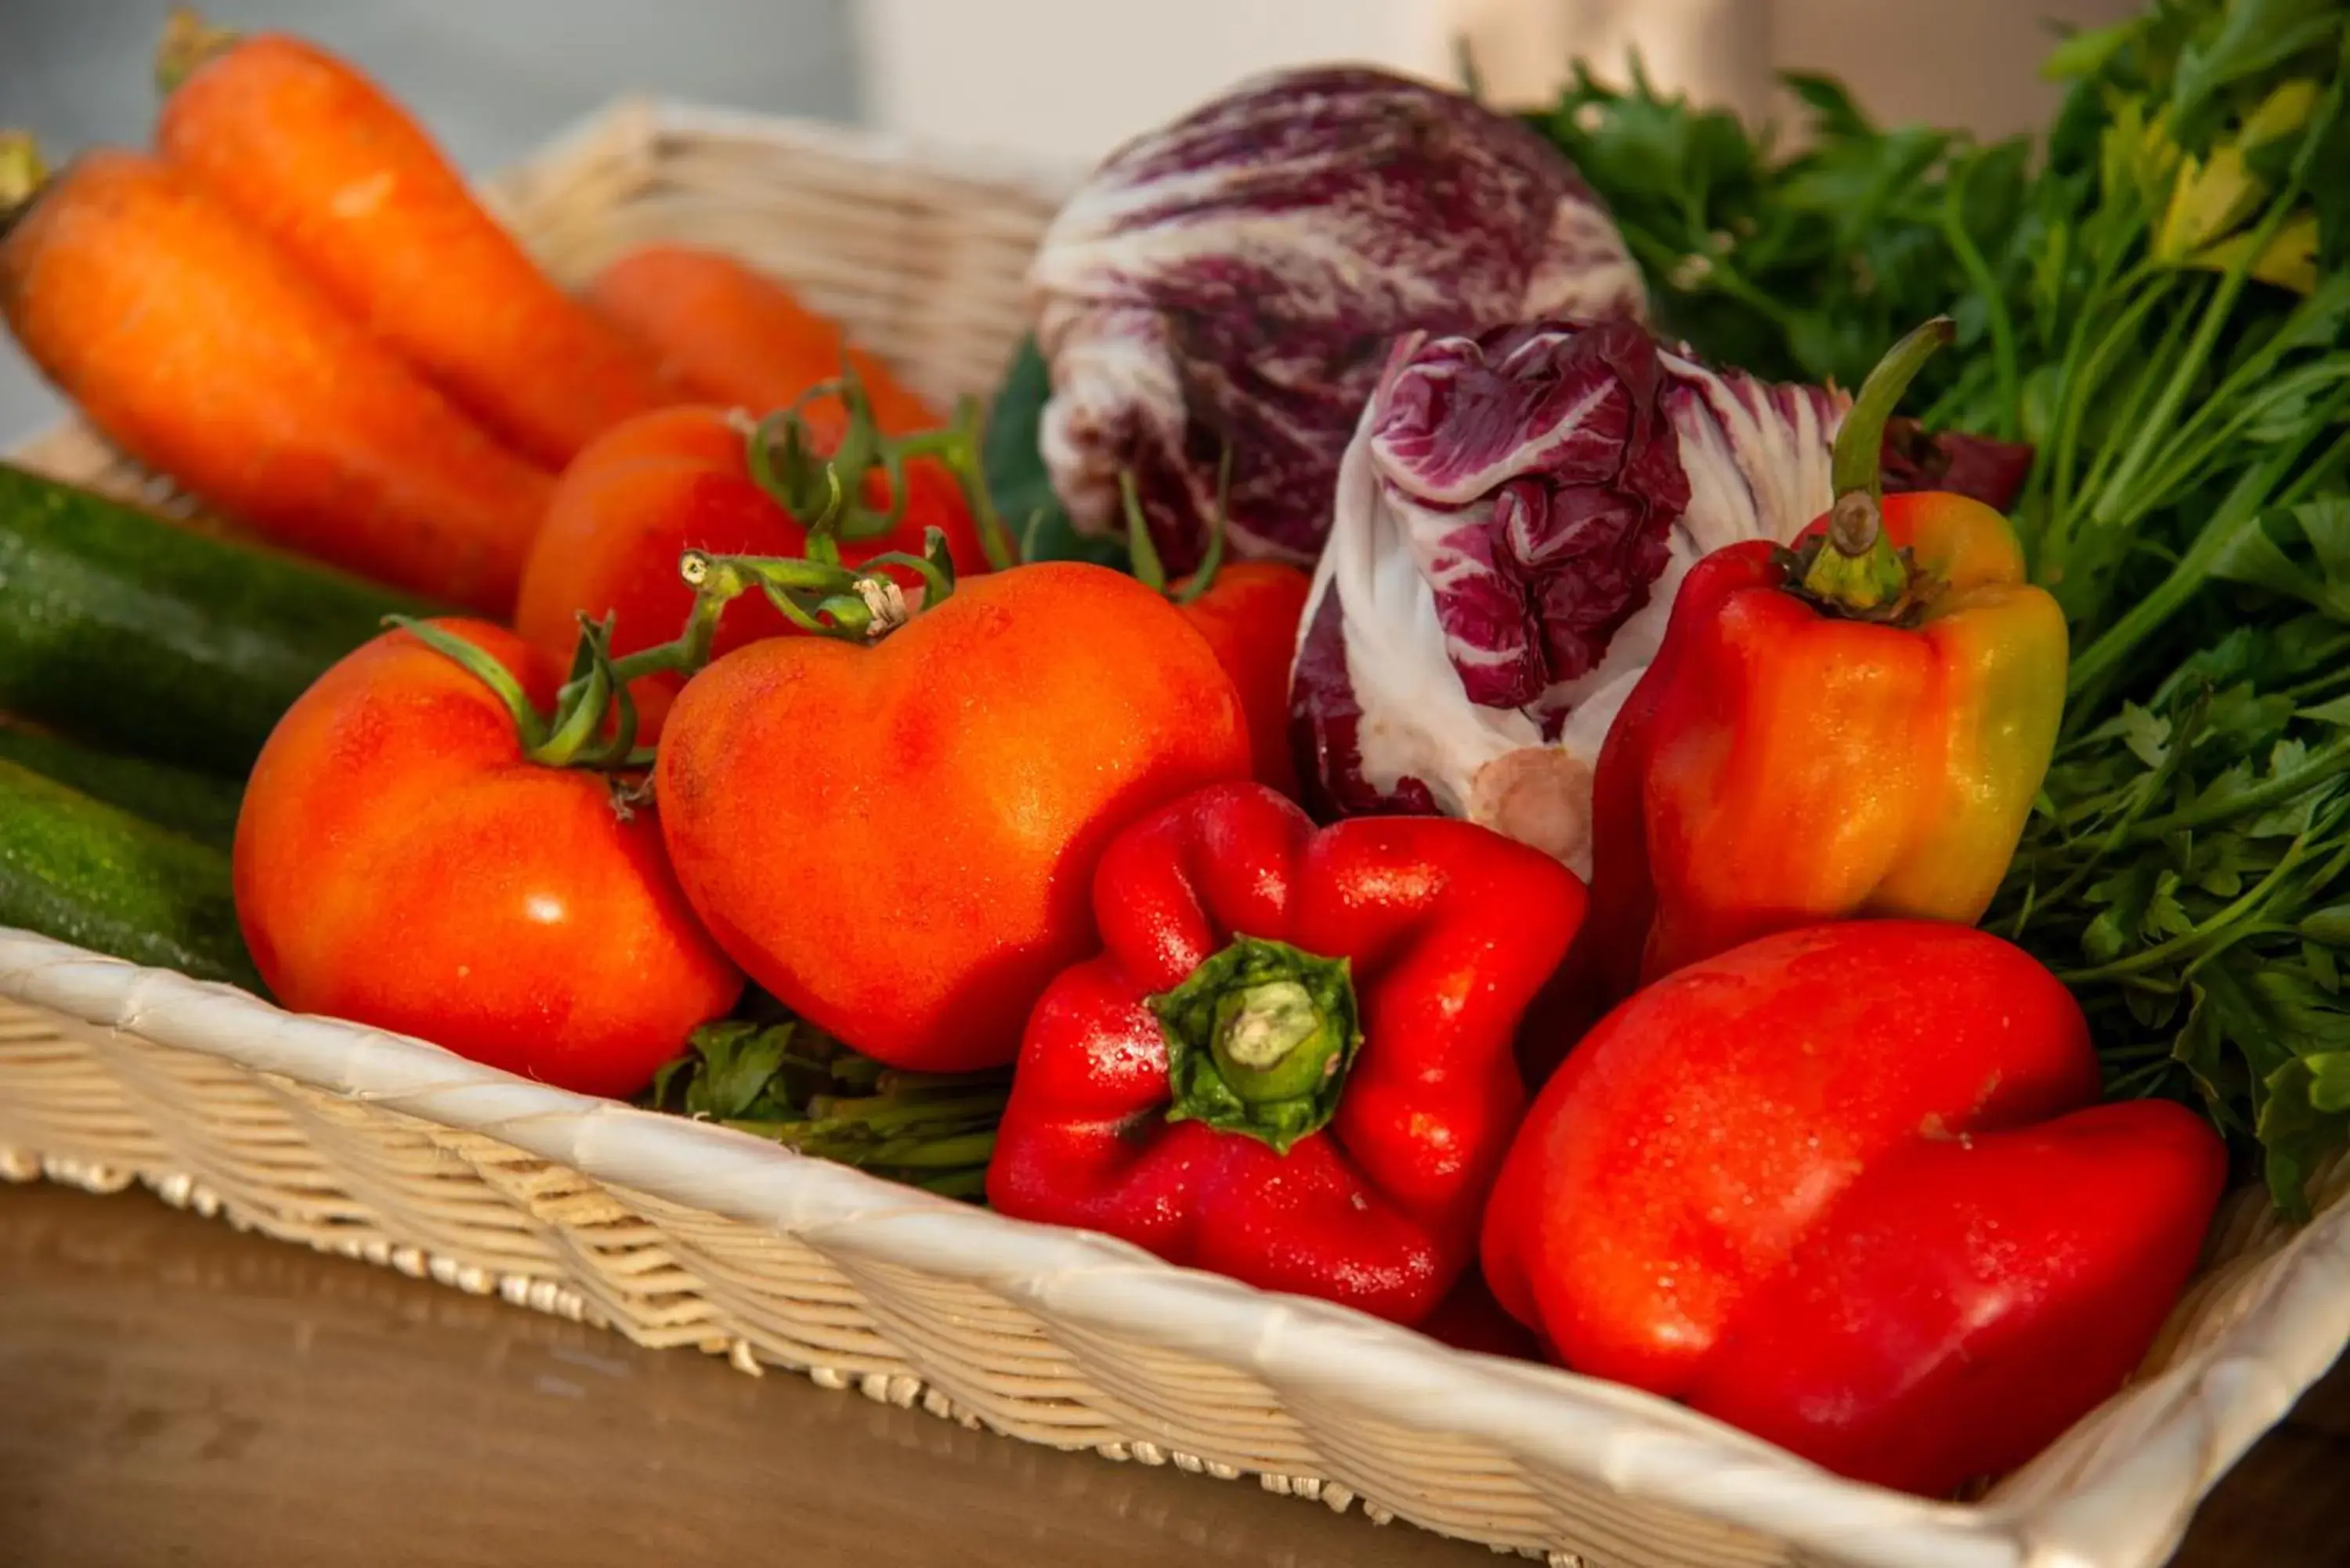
{"x": 2240, "y": 716}
{"x": 2165, "y": 916}
{"x": 2319, "y": 320}
{"x": 2150, "y": 1010}
{"x": 665, "y": 1078}
{"x": 2330, "y": 925}
{"x": 2147, "y": 734}
{"x": 2325, "y": 523}
{"x": 2225, "y": 789}
{"x": 2201, "y": 1048}
{"x": 2257, "y": 555}
{"x": 2086, "y": 52}
{"x": 2290, "y": 820}
{"x": 2329, "y": 1081}
{"x": 2121, "y": 928}
{"x": 2252, "y": 557}
{"x": 739, "y": 1061}
{"x": 2330, "y": 199}
{"x": 1834, "y": 113}
{"x": 2302, "y": 1118}
{"x": 2221, "y": 859}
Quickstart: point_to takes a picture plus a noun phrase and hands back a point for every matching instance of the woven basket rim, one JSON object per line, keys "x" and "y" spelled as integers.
{"x": 657, "y": 115}
{"x": 1640, "y": 1445}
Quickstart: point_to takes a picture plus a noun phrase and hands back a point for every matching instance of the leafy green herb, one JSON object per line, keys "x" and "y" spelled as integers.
{"x": 782, "y": 1079}
{"x": 1800, "y": 267}
{"x": 2186, "y": 875}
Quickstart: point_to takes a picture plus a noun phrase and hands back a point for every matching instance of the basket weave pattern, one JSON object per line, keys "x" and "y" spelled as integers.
{"x": 682, "y": 1235}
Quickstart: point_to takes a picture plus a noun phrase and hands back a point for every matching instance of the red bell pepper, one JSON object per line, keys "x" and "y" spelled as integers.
{"x": 1291, "y": 1063}
{"x": 1856, "y": 727}
{"x": 1846, "y": 1187}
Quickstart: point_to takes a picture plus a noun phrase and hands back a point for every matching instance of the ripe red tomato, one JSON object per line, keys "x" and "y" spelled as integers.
{"x": 1249, "y": 616}
{"x": 651, "y": 487}
{"x": 399, "y": 863}
{"x": 898, "y": 840}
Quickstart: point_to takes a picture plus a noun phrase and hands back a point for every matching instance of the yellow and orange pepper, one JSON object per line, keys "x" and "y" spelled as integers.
{"x": 1856, "y": 726}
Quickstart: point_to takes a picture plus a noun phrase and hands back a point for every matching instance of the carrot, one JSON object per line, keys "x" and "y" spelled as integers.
{"x": 199, "y": 348}
{"x": 739, "y": 337}
{"x": 319, "y": 158}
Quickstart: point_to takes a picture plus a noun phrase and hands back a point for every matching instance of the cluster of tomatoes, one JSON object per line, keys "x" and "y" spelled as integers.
{"x": 891, "y": 833}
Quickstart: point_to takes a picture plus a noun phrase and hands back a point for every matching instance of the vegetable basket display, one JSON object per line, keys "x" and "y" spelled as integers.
{"x": 683, "y": 1234}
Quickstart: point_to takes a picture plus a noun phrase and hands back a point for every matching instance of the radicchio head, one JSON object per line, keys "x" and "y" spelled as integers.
{"x": 1237, "y": 277}
{"x": 1514, "y": 515}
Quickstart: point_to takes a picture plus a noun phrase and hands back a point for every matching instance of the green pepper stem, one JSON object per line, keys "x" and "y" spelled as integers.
{"x": 1268, "y": 1028}
{"x": 1858, "y": 567}
{"x": 1259, "y": 1038}
{"x": 1854, "y": 462}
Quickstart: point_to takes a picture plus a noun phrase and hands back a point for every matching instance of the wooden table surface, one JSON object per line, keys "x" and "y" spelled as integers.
{"x": 174, "y": 1393}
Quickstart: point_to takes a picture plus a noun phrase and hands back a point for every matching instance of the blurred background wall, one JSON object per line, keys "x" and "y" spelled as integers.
{"x": 1057, "y": 80}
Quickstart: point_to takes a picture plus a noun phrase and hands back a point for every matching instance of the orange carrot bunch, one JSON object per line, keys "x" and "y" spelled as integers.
{"x": 198, "y": 348}
{"x": 739, "y": 337}
{"x": 317, "y": 157}
{"x": 297, "y": 310}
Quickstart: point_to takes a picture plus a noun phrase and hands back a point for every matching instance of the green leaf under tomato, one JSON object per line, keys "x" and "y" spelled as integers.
{"x": 780, "y": 1078}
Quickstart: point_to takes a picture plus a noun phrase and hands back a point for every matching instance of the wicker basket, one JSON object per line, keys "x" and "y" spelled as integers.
{"x": 681, "y": 1233}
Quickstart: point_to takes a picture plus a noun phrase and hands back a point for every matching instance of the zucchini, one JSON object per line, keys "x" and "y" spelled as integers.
{"x": 129, "y": 632}
{"x": 93, "y": 875}
{"x": 199, "y": 805}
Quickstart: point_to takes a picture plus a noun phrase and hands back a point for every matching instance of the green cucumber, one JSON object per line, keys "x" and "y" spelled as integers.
{"x": 129, "y": 632}
{"x": 200, "y": 805}
{"x": 93, "y": 875}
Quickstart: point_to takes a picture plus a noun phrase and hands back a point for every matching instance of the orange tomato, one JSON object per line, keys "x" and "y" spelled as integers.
{"x": 898, "y": 840}
{"x": 398, "y": 863}
{"x": 653, "y": 486}
{"x": 1249, "y": 616}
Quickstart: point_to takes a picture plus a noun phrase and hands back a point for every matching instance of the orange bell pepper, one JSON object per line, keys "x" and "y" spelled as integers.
{"x": 1856, "y": 726}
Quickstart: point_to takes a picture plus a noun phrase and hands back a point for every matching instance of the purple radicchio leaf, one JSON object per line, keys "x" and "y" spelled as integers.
{"x": 1513, "y": 519}
{"x": 1235, "y": 279}
{"x": 1325, "y": 724}
{"x": 1537, "y": 476}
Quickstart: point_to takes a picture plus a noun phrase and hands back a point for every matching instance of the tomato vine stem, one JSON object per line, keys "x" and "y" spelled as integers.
{"x": 1142, "y": 552}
